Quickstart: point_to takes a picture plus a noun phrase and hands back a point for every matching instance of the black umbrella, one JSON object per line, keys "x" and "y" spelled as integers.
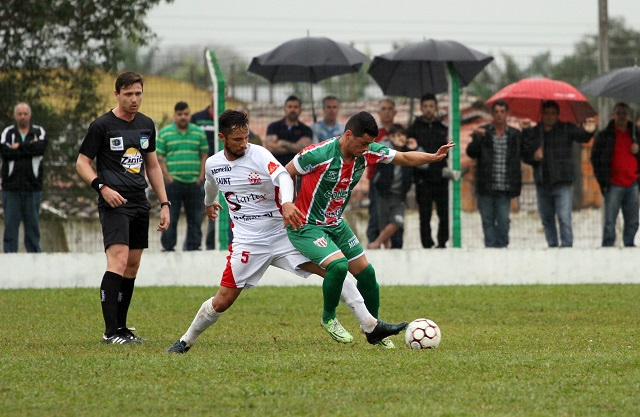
{"x": 309, "y": 59}
{"x": 419, "y": 68}
{"x": 621, "y": 84}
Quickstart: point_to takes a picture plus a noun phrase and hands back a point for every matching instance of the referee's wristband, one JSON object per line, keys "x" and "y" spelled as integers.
{"x": 97, "y": 185}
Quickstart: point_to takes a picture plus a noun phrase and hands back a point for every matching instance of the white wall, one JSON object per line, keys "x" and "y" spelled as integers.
{"x": 393, "y": 267}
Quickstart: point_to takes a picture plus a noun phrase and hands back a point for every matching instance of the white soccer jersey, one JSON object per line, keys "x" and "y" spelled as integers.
{"x": 253, "y": 199}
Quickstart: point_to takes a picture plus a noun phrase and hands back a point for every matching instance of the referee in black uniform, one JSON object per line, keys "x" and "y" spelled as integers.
{"x": 124, "y": 143}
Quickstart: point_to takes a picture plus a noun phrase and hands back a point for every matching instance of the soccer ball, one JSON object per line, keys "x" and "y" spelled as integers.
{"x": 422, "y": 334}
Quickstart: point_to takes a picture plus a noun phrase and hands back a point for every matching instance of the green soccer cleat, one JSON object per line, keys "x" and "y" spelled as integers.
{"x": 386, "y": 343}
{"x": 336, "y": 331}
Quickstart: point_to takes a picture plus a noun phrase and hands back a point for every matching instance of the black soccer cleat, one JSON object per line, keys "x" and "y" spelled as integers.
{"x": 117, "y": 339}
{"x": 179, "y": 347}
{"x": 128, "y": 333}
{"x": 384, "y": 329}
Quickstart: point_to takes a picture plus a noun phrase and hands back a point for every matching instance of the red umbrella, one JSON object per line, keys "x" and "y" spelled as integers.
{"x": 525, "y": 99}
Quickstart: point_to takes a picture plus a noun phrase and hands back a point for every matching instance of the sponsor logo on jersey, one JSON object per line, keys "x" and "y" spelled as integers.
{"x": 214, "y": 171}
{"x": 232, "y": 205}
{"x": 358, "y": 167}
{"x": 333, "y": 214}
{"x": 272, "y": 167}
{"x": 249, "y": 217}
{"x": 321, "y": 242}
{"x": 332, "y": 175}
{"x": 235, "y": 201}
{"x": 116, "y": 144}
{"x": 345, "y": 181}
{"x": 223, "y": 181}
{"x": 254, "y": 179}
{"x": 353, "y": 242}
{"x": 144, "y": 142}
{"x": 336, "y": 194}
{"x": 132, "y": 160}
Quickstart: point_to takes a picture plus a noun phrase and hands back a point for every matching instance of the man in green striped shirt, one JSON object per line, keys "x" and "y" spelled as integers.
{"x": 182, "y": 150}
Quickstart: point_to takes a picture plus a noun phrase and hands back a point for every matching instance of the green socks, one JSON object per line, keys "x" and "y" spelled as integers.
{"x": 369, "y": 288}
{"x": 336, "y": 272}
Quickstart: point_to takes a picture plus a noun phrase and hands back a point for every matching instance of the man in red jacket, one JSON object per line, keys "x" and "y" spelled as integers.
{"x": 615, "y": 159}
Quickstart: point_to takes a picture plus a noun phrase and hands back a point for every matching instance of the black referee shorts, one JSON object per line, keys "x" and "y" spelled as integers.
{"x": 127, "y": 224}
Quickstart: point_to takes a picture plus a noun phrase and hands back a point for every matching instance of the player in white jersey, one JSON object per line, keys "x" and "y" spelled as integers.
{"x": 259, "y": 192}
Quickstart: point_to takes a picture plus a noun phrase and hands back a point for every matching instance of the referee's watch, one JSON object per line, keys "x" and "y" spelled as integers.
{"x": 166, "y": 203}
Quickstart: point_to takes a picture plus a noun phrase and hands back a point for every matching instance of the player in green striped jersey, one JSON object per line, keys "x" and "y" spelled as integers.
{"x": 330, "y": 170}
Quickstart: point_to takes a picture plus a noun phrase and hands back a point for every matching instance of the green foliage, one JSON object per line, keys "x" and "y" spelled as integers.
{"x": 187, "y": 64}
{"x": 506, "y": 351}
{"x": 624, "y": 46}
{"x": 50, "y": 52}
{"x": 133, "y": 58}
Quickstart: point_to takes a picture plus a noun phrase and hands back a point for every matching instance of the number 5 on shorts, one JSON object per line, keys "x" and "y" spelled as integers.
{"x": 244, "y": 258}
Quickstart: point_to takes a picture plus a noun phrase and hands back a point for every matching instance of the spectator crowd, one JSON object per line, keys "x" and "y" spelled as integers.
{"x": 497, "y": 150}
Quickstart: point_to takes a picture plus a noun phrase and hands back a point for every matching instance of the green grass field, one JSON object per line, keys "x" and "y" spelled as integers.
{"x": 506, "y": 351}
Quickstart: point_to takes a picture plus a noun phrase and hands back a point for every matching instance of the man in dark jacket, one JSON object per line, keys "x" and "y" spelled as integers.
{"x": 391, "y": 184}
{"x": 431, "y": 187}
{"x": 22, "y": 147}
{"x": 497, "y": 149}
{"x": 615, "y": 159}
{"x": 553, "y": 170}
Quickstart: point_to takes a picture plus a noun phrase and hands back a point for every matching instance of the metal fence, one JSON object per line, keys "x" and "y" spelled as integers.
{"x": 69, "y": 220}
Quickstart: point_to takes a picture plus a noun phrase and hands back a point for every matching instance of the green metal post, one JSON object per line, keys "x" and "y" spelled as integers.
{"x": 454, "y": 135}
{"x": 219, "y": 88}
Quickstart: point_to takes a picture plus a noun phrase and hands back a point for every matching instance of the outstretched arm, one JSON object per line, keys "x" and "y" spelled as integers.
{"x": 413, "y": 158}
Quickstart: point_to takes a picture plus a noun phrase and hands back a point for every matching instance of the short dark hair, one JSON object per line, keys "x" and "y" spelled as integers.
{"x": 180, "y": 106}
{"x": 500, "y": 103}
{"x": 361, "y": 124}
{"x": 127, "y": 79}
{"x": 429, "y": 96}
{"x": 397, "y": 128}
{"x": 292, "y": 98}
{"x": 551, "y": 104}
{"x": 329, "y": 98}
{"x": 623, "y": 105}
{"x": 231, "y": 120}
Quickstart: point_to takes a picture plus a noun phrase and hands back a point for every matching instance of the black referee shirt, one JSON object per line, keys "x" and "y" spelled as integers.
{"x": 120, "y": 147}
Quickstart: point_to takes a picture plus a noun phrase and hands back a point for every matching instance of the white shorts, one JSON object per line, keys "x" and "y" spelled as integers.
{"x": 247, "y": 263}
